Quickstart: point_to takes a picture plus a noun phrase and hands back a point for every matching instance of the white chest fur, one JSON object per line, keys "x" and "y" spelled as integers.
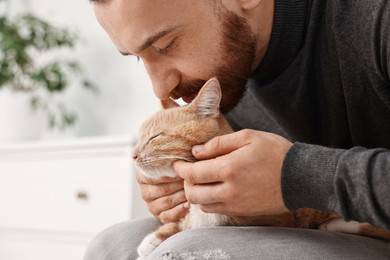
{"x": 200, "y": 219}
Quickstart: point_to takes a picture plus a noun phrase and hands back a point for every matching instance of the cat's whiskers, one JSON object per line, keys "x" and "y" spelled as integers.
{"x": 150, "y": 161}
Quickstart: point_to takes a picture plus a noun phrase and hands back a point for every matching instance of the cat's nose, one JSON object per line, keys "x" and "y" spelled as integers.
{"x": 135, "y": 153}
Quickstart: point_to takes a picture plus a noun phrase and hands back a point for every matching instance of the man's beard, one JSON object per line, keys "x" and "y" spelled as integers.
{"x": 237, "y": 55}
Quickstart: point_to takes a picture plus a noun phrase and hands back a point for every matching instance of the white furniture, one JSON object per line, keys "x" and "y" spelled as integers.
{"x": 55, "y": 196}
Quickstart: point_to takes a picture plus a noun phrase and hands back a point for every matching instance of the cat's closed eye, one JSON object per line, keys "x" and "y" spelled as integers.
{"x": 155, "y": 136}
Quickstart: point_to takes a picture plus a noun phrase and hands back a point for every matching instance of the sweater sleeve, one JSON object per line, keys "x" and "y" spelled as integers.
{"x": 355, "y": 182}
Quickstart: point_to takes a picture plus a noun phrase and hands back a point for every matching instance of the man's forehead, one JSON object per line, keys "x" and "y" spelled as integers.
{"x": 125, "y": 18}
{"x": 132, "y": 23}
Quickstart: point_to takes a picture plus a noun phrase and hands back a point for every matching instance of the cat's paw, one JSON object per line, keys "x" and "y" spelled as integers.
{"x": 147, "y": 246}
{"x": 340, "y": 225}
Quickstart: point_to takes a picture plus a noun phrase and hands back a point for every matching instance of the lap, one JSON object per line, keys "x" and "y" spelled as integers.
{"x": 120, "y": 242}
{"x": 269, "y": 243}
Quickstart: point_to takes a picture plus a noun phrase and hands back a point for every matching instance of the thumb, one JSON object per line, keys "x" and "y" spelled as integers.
{"x": 219, "y": 145}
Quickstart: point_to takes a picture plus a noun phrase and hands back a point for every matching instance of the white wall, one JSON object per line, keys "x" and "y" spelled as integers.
{"x": 126, "y": 97}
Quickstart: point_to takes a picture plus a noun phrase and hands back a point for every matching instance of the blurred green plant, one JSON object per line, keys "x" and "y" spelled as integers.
{"x": 24, "y": 41}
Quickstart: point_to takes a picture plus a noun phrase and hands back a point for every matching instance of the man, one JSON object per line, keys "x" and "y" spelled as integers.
{"x": 309, "y": 77}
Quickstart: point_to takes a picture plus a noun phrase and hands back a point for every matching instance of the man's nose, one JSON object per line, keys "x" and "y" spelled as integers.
{"x": 164, "y": 79}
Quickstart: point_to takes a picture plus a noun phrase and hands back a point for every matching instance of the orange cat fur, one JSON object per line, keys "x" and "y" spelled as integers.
{"x": 170, "y": 134}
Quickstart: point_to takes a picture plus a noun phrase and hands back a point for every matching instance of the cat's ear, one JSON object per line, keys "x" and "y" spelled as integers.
{"x": 168, "y": 103}
{"x": 206, "y": 103}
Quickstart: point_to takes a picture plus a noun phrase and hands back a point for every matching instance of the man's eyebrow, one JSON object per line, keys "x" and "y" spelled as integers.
{"x": 151, "y": 40}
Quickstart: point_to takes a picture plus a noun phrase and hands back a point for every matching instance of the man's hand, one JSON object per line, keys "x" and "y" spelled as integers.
{"x": 165, "y": 197}
{"x": 238, "y": 174}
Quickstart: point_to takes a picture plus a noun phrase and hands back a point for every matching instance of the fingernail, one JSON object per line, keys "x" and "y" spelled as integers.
{"x": 187, "y": 205}
{"x": 197, "y": 148}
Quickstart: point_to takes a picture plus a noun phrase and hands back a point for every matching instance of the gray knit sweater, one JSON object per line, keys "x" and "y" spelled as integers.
{"x": 325, "y": 85}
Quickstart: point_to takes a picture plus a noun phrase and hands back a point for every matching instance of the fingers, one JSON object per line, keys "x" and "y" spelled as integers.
{"x": 240, "y": 174}
{"x": 165, "y": 197}
{"x": 221, "y": 145}
{"x": 216, "y": 149}
{"x": 152, "y": 192}
{"x": 169, "y": 208}
{"x": 215, "y": 208}
{"x": 205, "y": 193}
{"x": 212, "y": 171}
{"x": 199, "y": 172}
{"x": 174, "y": 214}
{"x": 152, "y": 189}
{"x": 167, "y": 202}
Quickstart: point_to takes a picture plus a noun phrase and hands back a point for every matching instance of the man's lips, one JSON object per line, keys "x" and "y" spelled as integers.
{"x": 189, "y": 99}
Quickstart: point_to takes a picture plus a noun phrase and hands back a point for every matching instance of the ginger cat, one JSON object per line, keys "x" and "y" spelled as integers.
{"x": 170, "y": 134}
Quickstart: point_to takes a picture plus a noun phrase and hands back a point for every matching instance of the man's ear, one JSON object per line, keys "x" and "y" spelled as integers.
{"x": 249, "y": 4}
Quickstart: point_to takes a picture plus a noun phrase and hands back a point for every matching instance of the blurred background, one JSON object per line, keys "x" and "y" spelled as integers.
{"x": 124, "y": 97}
{"x": 70, "y": 109}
